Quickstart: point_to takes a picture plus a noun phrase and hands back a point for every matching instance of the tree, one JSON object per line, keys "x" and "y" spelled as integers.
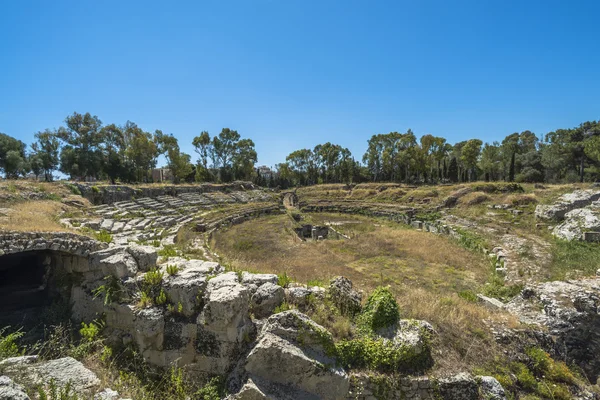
{"x": 12, "y": 156}
{"x": 470, "y": 155}
{"x": 45, "y": 154}
{"x": 141, "y": 151}
{"x": 491, "y": 161}
{"x": 232, "y": 157}
{"x": 203, "y": 147}
{"x": 177, "y": 162}
{"x": 82, "y": 137}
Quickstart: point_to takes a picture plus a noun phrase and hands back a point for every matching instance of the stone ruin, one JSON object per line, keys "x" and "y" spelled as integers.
{"x": 224, "y": 322}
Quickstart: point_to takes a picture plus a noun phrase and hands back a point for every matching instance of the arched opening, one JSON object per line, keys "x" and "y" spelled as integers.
{"x": 32, "y": 284}
{"x": 24, "y": 279}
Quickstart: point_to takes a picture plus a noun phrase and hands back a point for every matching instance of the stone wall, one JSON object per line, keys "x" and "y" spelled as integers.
{"x": 109, "y": 194}
{"x": 18, "y": 242}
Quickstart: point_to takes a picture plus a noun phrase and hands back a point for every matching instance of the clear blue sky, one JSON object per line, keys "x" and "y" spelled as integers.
{"x": 291, "y": 74}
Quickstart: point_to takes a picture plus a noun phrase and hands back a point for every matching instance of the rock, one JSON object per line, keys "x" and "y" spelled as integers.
{"x": 10, "y": 390}
{"x": 18, "y": 362}
{"x": 292, "y": 350}
{"x": 149, "y": 325}
{"x": 490, "y": 302}
{"x": 491, "y": 389}
{"x": 107, "y": 394}
{"x": 576, "y": 223}
{"x": 145, "y": 256}
{"x": 458, "y": 387}
{"x": 297, "y": 296}
{"x": 266, "y": 298}
{"x": 566, "y": 203}
{"x": 189, "y": 284}
{"x": 258, "y": 279}
{"x": 62, "y": 371}
{"x": 347, "y": 300}
{"x": 569, "y": 311}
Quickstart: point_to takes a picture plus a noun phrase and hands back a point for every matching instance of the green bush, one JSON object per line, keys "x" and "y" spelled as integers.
{"x": 379, "y": 354}
{"x": 213, "y": 390}
{"x": 283, "y": 280}
{"x": 172, "y": 269}
{"x": 380, "y": 311}
{"x": 111, "y": 290}
{"x": 74, "y": 189}
{"x": 8, "y": 343}
{"x": 167, "y": 251}
{"x": 54, "y": 392}
{"x": 104, "y": 236}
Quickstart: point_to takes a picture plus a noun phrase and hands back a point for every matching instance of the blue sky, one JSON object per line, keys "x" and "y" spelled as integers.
{"x": 291, "y": 74}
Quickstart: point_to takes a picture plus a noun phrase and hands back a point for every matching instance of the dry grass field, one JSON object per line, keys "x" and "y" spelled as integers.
{"x": 428, "y": 273}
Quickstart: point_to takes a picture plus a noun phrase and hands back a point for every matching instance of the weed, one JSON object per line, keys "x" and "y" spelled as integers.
{"x": 54, "y": 392}
{"x": 8, "y": 343}
{"x": 283, "y": 279}
{"x": 74, "y": 189}
{"x": 468, "y": 295}
{"x": 161, "y": 299}
{"x": 145, "y": 300}
{"x": 281, "y": 308}
{"x": 167, "y": 251}
{"x": 89, "y": 332}
{"x": 172, "y": 270}
{"x": 380, "y": 311}
{"x": 110, "y": 290}
{"x": 153, "y": 278}
{"x": 103, "y": 236}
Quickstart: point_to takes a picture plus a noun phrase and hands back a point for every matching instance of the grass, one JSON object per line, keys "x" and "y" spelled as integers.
{"x": 424, "y": 271}
{"x": 573, "y": 259}
{"x": 34, "y": 216}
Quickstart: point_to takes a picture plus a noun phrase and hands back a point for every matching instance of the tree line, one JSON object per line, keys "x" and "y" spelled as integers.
{"x": 84, "y": 148}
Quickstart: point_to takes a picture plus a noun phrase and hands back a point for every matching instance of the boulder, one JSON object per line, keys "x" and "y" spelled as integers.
{"x": 347, "y": 300}
{"x": 258, "y": 279}
{"x": 576, "y": 223}
{"x": 490, "y": 388}
{"x": 566, "y": 203}
{"x": 267, "y": 297}
{"x": 145, "y": 256}
{"x": 294, "y": 351}
{"x": 62, "y": 371}
{"x": 297, "y": 295}
{"x": 569, "y": 312}
{"x": 107, "y": 394}
{"x": 461, "y": 386}
{"x": 10, "y": 390}
{"x": 189, "y": 284}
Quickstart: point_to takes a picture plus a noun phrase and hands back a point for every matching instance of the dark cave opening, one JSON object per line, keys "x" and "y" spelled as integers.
{"x": 24, "y": 280}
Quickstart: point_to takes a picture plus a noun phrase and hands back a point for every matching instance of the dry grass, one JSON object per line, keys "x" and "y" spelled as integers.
{"x": 425, "y": 271}
{"x": 463, "y": 339}
{"x": 384, "y": 254}
{"x": 474, "y": 198}
{"x": 33, "y": 216}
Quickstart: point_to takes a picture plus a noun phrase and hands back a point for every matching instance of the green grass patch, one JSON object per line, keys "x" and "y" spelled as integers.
{"x": 573, "y": 259}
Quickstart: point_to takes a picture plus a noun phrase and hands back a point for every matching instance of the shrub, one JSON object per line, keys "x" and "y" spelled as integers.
{"x": 74, "y": 189}
{"x": 379, "y": 354}
{"x": 8, "y": 343}
{"x": 110, "y": 290}
{"x": 103, "y": 236}
{"x": 57, "y": 393}
{"x": 380, "y": 311}
{"x": 89, "y": 332}
{"x": 153, "y": 278}
{"x": 172, "y": 269}
{"x": 283, "y": 280}
{"x": 167, "y": 251}
{"x": 213, "y": 390}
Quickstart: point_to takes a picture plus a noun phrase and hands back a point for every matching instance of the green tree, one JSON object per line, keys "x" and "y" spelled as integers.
{"x": 470, "y": 154}
{"x": 82, "y": 136}
{"x": 178, "y": 162}
{"x": 45, "y": 154}
{"x": 141, "y": 151}
{"x": 12, "y": 156}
